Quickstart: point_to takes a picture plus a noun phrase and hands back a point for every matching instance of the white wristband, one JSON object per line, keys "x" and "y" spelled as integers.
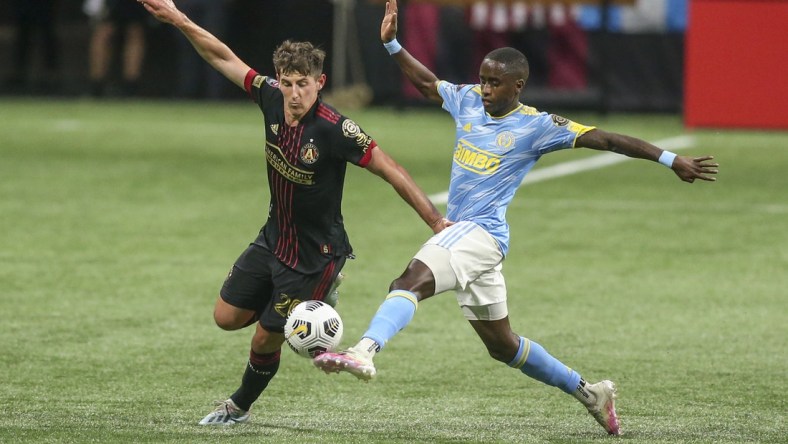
{"x": 393, "y": 46}
{"x": 666, "y": 158}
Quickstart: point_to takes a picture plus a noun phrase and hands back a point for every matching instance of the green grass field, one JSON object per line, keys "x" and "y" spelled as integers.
{"x": 119, "y": 221}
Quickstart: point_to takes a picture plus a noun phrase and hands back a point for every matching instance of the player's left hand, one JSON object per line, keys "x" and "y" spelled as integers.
{"x": 441, "y": 224}
{"x": 164, "y": 10}
{"x": 690, "y": 168}
{"x": 388, "y": 29}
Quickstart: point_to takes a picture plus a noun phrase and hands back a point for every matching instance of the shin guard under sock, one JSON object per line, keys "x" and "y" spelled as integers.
{"x": 259, "y": 371}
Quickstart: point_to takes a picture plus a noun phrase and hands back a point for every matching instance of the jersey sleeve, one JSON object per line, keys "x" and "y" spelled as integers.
{"x": 558, "y": 133}
{"x": 452, "y": 96}
{"x": 351, "y": 143}
{"x": 260, "y": 88}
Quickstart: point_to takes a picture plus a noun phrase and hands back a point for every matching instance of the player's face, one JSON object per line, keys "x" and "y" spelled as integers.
{"x": 300, "y": 92}
{"x": 500, "y": 90}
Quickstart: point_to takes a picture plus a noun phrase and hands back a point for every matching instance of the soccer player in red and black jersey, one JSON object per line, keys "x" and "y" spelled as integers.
{"x": 303, "y": 244}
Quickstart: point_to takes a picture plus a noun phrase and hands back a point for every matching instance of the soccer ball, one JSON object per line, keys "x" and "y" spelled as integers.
{"x": 312, "y": 328}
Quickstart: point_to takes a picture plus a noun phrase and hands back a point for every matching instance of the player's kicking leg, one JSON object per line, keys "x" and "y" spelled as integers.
{"x": 392, "y": 316}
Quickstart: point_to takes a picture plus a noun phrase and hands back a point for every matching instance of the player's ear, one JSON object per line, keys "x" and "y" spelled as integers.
{"x": 321, "y": 81}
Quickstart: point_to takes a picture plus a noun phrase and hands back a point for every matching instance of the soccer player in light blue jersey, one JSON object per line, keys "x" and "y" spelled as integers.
{"x": 498, "y": 141}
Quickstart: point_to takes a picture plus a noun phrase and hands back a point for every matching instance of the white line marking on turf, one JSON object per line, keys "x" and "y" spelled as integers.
{"x": 587, "y": 164}
{"x": 68, "y": 125}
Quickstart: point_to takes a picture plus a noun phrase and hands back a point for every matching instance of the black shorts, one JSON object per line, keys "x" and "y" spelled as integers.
{"x": 259, "y": 282}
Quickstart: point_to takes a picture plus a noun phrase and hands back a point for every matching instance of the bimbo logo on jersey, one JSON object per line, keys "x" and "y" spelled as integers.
{"x": 474, "y": 159}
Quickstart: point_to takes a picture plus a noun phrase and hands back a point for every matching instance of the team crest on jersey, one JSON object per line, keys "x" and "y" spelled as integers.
{"x": 505, "y": 140}
{"x": 278, "y": 161}
{"x": 559, "y": 121}
{"x": 275, "y": 129}
{"x": 352, "y": 131}
{"x": 309, "y": 154}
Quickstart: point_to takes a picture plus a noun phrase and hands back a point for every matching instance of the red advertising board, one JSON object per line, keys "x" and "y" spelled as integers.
{"x": 737, "y": 64}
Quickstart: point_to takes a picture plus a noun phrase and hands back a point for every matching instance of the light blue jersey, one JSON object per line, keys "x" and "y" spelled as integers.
{"x": 493, "y": 154}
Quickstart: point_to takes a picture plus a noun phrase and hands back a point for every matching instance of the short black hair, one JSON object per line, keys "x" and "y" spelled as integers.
{"x": 514, "y": 61}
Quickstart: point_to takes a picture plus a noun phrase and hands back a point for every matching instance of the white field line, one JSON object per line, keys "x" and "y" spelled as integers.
{"x": 587, "y": 164}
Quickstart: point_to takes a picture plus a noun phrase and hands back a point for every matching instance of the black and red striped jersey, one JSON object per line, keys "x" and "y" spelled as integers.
{"x": 306, "y": 175}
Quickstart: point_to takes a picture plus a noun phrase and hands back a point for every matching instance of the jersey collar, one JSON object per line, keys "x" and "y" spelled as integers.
{"x": 516, "y": 109}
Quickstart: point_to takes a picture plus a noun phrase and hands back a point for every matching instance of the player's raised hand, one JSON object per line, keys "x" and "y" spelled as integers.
{"x": 388, "y": 29}
{"x": 690, "y": 168}
{"x": 164, "y": 10}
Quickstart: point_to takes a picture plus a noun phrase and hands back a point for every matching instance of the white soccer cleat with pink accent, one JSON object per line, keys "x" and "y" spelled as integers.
{"x": 604, "y": 407}
{"x": 347, "y": 361}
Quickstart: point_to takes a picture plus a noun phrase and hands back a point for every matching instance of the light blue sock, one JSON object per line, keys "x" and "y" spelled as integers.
{"x": 393, "y": 315}
{"x": 533, "y": 360}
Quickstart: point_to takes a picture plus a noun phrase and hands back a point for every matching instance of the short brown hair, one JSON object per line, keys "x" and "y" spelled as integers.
{"x": 299, "y": 57}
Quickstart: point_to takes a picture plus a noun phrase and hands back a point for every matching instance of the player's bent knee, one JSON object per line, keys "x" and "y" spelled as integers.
{"x": 501, "y": 350}
{"x": 228, "y": 317}
{"x": 400, "y": 284}
{"x": 417, "y": 279}
{"x": 225, "y": 322}
{"x": 234, "y": 323}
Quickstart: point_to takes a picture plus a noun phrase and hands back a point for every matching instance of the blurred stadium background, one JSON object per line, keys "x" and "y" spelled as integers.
{"x": 630, "y": 59}
{"x": 120, "y": 215}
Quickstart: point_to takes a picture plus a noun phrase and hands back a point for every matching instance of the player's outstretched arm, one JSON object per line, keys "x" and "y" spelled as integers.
{"x": 216, "y": 53}
{"x": 389, "y": 170}
{"x": 686, "y": 168}
{"x": 419, "y": 75}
